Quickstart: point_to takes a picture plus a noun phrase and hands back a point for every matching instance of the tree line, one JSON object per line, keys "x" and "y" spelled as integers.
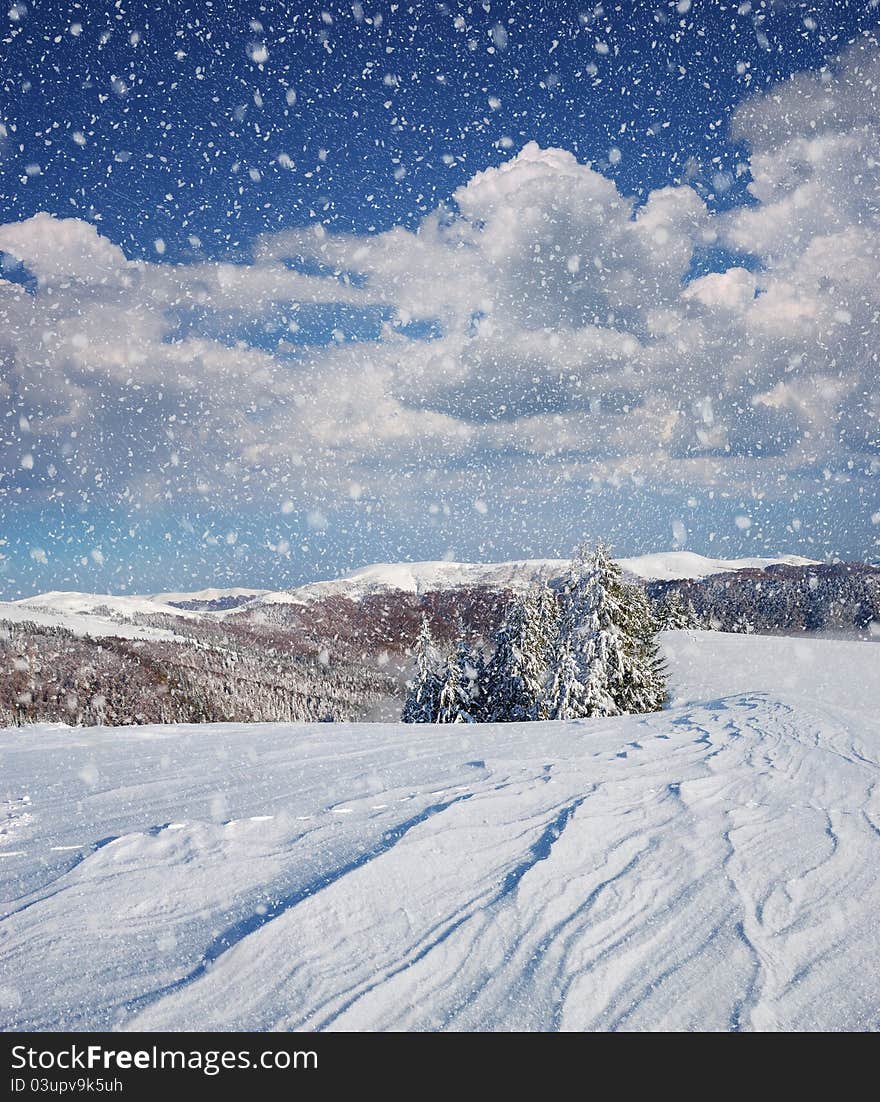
{"x": 589, "y": 650}
{"x": 781, "y": 598}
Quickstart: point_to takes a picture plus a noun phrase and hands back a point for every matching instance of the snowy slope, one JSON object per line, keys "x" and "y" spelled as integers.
{"x": 716, "y": 866}
{"x": 421, "y": 577}
{"x": 840, "y": 673}
{"x": 100, "y": 615}
{"x": 92, "y": 614}
{"x": 103, "y": 605}
{"x": 668, "y": 566}
{"x": 207, "y": 595}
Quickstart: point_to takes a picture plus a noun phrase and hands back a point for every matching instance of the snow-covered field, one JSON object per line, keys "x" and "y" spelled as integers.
{"x": 716, "y": 866}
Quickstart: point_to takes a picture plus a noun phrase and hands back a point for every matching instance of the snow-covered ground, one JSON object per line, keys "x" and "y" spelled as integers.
{"x": 715, "y": 866}
{"x": 207, "y": 595}
{"x": 92, "y": 614}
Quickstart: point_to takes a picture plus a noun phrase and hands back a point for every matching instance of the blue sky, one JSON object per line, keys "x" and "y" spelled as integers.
{"x": 671, "y": 71}
{"x": 309, "y": 334}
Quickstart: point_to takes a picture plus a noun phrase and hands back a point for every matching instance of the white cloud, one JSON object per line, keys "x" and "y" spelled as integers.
{"x": 57, "y": 249}
{"x": 722, "y": 293}
{"x": 565, "y": 341}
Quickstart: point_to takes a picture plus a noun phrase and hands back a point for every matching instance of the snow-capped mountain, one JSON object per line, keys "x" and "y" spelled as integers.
{"x": 426, "y": 577}
{"x": 420, "y": 577}
{"x": 125, "y": 616}
{"x": 108, "y": 614}
{"x": 97, "y": 604}
{"x": 667, "y": 566}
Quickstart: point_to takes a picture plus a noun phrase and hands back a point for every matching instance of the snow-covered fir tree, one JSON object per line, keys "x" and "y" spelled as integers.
{"x": 672, "y": 614}
{"x": 546, "y": 628}
{"x": 607, "y": 658}
{"x": 624, "y": 649}
{"x": 422, "y": 703}
{"x": 602, "y": 657}
{"x": 517, "y": 674}
{"x": 458, "y": 697}
{"x": 504, "y": 697}
{"x": 472, "y": 672}
{"x": 449, "y": 698}
{"x": 566, "y": 694}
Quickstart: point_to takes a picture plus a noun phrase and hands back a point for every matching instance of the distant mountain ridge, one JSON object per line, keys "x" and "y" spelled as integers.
{"x": 431, "y": 575}
{"x": 86, "y": 612}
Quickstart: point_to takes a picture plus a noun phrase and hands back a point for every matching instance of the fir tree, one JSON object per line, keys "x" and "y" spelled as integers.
{"x": 503, "y": 692}
{"x": 566, "y": 693}
{"x": 537, "y": 643}
{"x": 546, "y": 638}
{"x": 608, "y": 661}
{"x": 458, "y": 696}
{"x": 449, "y": 695}
{"x": 517, "y": 674}
{"x": 597, "y": 698}
{"x": 673, "y": 614}
{"x": 567, "y": 696}
{"x": 623, "y": 644}
{"x": 472, "y": 675}
{"x": 422, "y": 703}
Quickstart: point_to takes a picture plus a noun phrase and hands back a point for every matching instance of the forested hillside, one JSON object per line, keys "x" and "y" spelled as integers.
{"x": 823, "y": 597}
{"x": 50, "y": 674}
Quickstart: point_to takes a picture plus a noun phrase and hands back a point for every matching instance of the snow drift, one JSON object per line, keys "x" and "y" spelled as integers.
{"x": 715, "y": 866}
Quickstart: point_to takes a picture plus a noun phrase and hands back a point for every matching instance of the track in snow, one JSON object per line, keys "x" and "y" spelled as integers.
{"x": 716, "y": 866}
